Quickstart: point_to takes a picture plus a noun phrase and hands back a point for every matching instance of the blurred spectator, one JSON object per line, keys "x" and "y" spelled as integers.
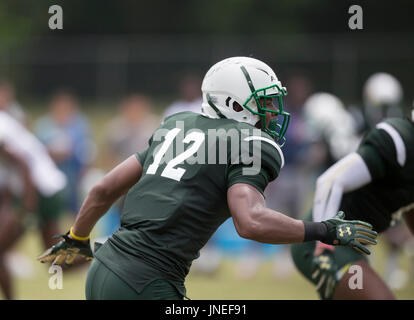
{"x": 130, "y": 131}
{"x": 189, "y": 89}
{"x": 8, "y": 101}
{"x": 65, "y": 132}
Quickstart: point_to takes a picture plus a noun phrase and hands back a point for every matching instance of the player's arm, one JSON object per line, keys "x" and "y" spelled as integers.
{"x": 348, "y": 174}
{"x": 76, "y": 242}
{"x": 29, "y": 193}
{"x": 101, "y": 197}
{"x": 382, "y": 149}
{"x": 253, "y": 220}
{"x": 256, "y": 222}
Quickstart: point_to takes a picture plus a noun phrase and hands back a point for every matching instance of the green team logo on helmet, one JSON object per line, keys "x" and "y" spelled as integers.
{"x": 276, "y": 128}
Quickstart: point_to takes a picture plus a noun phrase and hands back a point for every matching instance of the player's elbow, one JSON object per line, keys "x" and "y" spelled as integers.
{"x": 245, "y": 231}
{"x": 100, "y": 191}
{"x": 249, "y": 227}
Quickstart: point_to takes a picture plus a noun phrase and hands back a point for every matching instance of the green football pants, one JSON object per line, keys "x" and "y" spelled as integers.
{"x": 103, "y": 284}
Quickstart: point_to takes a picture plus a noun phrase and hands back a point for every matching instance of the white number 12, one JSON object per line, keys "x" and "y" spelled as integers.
{"x": 170, "y": 171}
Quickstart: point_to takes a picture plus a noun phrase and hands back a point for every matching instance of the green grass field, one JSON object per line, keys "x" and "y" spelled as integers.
{"x": 224, "y": 284}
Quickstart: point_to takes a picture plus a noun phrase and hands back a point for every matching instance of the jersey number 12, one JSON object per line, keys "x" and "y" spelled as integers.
{"x": 170, "y": 171}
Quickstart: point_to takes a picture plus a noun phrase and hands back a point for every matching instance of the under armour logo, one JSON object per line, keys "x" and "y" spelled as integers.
{"x": 324, "y": 262}
{"x": 347, "y": 230}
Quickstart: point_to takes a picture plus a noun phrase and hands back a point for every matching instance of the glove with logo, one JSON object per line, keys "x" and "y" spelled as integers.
{"x": 66, "y": 250}
{"x": 353, "y": 233}
{"x": 324, "y": 274}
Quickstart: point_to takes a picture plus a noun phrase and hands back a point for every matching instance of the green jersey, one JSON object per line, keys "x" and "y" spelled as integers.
{"x": 181, "y": 198}
{"x": 388, "y": 151}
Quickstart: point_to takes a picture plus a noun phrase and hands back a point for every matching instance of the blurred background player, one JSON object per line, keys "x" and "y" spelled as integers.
{"x": 382, "y": 97}
{"x": 30, "y": 187}
{"x": 375, "y": 184}
{"x": 331, "y": 129}
{"x": 65, "y": 133}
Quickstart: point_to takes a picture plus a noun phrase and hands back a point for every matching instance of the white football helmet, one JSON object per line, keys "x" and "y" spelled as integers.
{"x": 382, "y": 89}
{"x": 326, "y": 115}
{"x": 382, "y": 94}
{"x": 250, "y": 83}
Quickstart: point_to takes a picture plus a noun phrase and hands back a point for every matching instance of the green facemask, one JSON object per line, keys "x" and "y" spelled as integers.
{"x": 277, "y": 128}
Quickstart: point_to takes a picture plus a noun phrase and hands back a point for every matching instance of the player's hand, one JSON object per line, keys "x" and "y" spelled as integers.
{"x": 353, "y": 233}
{"x": 324, "y": 270}
{"x": 320, "y": 247}
{"x": 66, "y": 250}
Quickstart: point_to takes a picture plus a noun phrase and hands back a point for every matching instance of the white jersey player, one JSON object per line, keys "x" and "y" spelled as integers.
{"x": 30, "y": 187}
{"x": 47, "y": 178}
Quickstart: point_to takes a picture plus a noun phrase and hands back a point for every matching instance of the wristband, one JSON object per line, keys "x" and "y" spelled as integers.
{"x": 76, "y": 237}
{"x": 315, "y": 231}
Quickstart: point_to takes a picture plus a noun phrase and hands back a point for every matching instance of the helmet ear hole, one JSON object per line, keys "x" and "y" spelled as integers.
{"x": 237, "y": 107}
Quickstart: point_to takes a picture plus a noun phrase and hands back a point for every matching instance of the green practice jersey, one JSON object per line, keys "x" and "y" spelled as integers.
{"x": 181, "y": 198}
{"x": 388, "y": 151}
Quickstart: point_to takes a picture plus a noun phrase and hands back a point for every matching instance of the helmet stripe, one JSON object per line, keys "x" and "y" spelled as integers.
{"x": 249, "y": 80}
{"x": 210, "y": 102}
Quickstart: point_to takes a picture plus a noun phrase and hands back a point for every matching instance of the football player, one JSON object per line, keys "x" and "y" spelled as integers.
{"x": 30, "y": 187}
{"x": 372, "y": 184}
{"x": 198, "y": 170}
{"x": 382, "y": 98}
{"x": 330, "y": 125}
